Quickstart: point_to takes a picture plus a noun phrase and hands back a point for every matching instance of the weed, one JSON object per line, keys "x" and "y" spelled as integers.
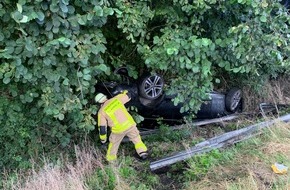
{"x": 103, "y": 178}
{"x": 274, "y": 91}
{"x": 200, "y": 164}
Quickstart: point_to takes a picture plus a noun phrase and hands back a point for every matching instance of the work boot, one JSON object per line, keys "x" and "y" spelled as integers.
{"x": 143, "y": 155}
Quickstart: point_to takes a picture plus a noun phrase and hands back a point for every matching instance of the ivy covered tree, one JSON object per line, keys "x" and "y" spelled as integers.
{"x": 52, "y": 52}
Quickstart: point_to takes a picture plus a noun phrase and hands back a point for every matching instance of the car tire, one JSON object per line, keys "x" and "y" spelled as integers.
{"x": 151, "y": 86}
{"x": 151, "y": 103}
{"x": 233, "y": 99}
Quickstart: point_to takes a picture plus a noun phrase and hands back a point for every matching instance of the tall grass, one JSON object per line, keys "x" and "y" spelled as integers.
{"x": 88, "y": 171}
{"x": 274, "y": 92}
{"x": 58, "y": 176}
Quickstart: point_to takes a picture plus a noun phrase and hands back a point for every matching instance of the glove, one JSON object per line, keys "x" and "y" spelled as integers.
{"x": 103, "y": 141}
{"x": 125, "y": 92}
{"x": 103, "y": 134}
{"x": 130, "y": 93}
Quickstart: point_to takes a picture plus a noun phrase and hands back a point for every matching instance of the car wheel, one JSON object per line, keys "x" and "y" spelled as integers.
{"x": 151, "y": 103}
{"x": 233, "y": 99}
{"x": 151, "y": 86}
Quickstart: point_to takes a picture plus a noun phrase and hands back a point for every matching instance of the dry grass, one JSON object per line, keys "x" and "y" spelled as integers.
{"x": 59, "y": 177}
{"x": 253, "y": 171}
{"x": 275, "y": 92}
{"x": 89, "y": 171}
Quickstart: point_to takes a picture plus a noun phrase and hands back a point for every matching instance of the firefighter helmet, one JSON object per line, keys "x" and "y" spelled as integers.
{"x": 100, "y": 98}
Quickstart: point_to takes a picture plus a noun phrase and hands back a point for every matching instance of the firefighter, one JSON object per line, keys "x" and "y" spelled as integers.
{"x": 114, "y": 114}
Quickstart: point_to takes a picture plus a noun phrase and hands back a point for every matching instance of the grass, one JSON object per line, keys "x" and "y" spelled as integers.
{"x": 247, "y": 165}
{"x": 244, "y": 166}
{"x": 60, "y": 175}
{"x": 274, "y": 91}
{"x": 88, "y": 171}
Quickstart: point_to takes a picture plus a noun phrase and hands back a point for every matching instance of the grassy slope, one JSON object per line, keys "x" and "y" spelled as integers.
{"x": 244, "y": 166}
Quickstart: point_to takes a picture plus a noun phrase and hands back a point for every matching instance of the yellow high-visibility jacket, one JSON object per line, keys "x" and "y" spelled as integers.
{"x": 114, "y": 114}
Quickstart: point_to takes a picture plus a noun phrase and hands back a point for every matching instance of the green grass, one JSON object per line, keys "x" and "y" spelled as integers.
{"x": 246, "y": 165}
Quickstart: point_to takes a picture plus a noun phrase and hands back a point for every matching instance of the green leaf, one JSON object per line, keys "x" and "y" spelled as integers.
{"x": 46, "y": 61}
{"x": 171, "y": 51}
{"x": 1, "y": 37}
{"x": 188, "y": 65}
{"x": 196, "y": 43}
{"x": 195, "y": 69}
{"x": 190, "y": 53}
{"x": 98, "y": 11}
{"x": 218, "y": 41}
{"x": 85, "y": 83}
{"x": 222, "y": 64}
{"x": 28, "y": 76}
{"x": 6, "y": 80}
{"x": 79, "y": 74}
{"x": 87, "y": 77}
{"x": 205, "y": 41}
{"x": 156, "y": 40}
{"x": 217, "y": 80}
{"x": 66, "y": 2}
{"x": 61, "y": 39}
{"x": 17, "y": 16}
{"x": 28, "y": 46}
{"x": 82, "y": 20}
{"x": 102, "y": 67}
{"x": 55, "y": 111}
{"x": 60, "y": 116}
{"x": 119, "y": 12}
{"x": 181, "y": 59}
{"x": 264, "y": 4}
{"x": 86, "y": 71}
{"x": 236, "y": 70}
{"x": 41, "y": 16}
{"x": 65, "y": 82}
{"x": 254, "y": 4}
{"x": 63, "y": 8}
{"x": 108, "y": 11}
{"x": 54, "y": 8}
{"x": 19, "y": 7}
{"x": 90, "y": 16}
{"x": 263, "y": 18}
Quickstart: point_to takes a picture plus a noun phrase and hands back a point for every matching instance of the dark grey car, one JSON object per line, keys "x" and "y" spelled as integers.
{"x": 152, "y": 103}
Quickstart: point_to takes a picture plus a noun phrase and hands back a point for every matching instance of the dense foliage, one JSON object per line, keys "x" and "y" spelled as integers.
{"x": 52, "y": 52}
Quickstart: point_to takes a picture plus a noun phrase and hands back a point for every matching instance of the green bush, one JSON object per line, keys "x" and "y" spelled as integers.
{"x": 50, "y": 53}
{"x": 53, "y": 52}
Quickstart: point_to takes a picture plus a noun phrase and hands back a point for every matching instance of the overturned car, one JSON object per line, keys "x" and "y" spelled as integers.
{"x": 152, "y": 103}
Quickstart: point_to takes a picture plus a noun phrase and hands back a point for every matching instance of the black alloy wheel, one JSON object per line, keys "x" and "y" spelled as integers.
{"x": 151, "y": 87}
{"x": 233, "y": 99}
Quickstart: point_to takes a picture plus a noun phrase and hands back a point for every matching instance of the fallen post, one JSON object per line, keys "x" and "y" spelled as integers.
{"x": 216, "y": 142}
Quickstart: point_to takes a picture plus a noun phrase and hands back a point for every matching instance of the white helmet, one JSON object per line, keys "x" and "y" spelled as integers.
{"x": 100, "y": 98}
